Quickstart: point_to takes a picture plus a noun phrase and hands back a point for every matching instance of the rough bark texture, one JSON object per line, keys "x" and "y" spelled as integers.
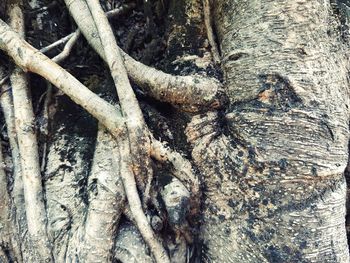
{"x": 272, "y": 163}
{"x": 275, "y": 190}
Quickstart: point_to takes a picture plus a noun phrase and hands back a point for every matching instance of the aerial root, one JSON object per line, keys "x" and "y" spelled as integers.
{"x": 191, "y": 93}
{"x": 208, "y": 91}
{"x": 210, "y": 34}
{"x": 135, "y": 205}
{"x": 183, "y": 170}
{"x": 135, "y": 145}
{"x": 28, "y": 150}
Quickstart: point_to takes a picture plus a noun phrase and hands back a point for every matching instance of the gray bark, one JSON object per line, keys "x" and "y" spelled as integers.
{"x": 272, "y": 163}
{"x": 275, "y": 190}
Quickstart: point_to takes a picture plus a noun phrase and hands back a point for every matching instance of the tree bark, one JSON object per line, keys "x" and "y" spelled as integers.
{"x": 271, "y": 162}
{"x": 275, "y": 190}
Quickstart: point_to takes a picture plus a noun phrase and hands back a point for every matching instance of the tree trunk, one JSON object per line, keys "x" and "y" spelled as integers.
{"x": 271, "y": 161}
{"x": 275, "y": 190}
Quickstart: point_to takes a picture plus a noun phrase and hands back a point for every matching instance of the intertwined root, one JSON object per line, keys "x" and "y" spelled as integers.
{"x": 136, "y": 144}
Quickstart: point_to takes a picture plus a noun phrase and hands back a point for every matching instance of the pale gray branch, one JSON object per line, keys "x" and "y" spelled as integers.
{"x": 30, "y": 59}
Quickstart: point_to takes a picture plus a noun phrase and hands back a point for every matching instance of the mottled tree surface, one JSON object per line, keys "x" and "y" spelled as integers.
{"x": 275, "y": 184}
{"x": 234, "y": 128}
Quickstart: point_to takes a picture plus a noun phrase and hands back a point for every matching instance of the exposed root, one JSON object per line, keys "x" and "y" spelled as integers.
{"x": 177, "y": 203}
{"x": 28, "y": 148}
{"x": 135, "y": 160}
{"x": 138, "y": 133}
{"x": 137, "y": 129}
{"x": 193, "y": 92}
{"x": 137, "y": 141}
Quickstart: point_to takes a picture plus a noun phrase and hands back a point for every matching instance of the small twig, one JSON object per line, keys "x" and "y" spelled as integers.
{"x": 42, "y": 9}
{"x": 120, "y": 10}
{"x": 58, "y": 42}
{"x": 34, "y": 4}
{"x": 67, "y": 48}
{"x": 72, "y": 38}
{"x": 210, "y": 33}
{"x": 110, "y": 14}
